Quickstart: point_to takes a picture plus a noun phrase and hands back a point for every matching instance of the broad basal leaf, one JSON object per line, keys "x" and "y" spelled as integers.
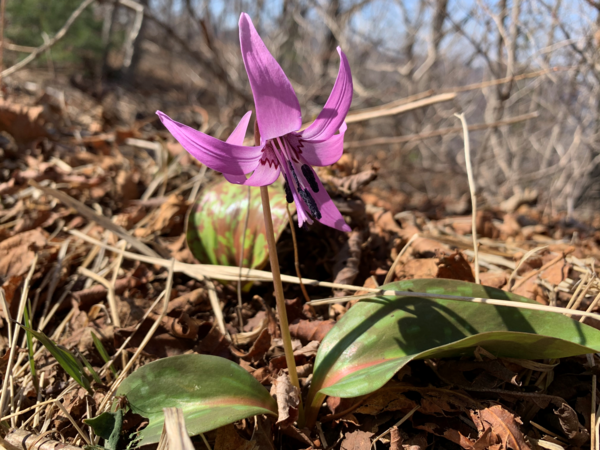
{"x": 211, "y": 391}
{"x": 379, "y": 335}
{"x": 217, "y": 220}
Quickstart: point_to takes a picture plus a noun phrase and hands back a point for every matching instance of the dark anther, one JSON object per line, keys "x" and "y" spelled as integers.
{"x": 288, "y": 191}
{"x": 295, "y": 176}
{"x": 310, "y": 202}
{"x": 310, "y": 177}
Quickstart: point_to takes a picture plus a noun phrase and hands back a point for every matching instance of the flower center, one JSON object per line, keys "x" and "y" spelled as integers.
{"x": 299, "y": 172}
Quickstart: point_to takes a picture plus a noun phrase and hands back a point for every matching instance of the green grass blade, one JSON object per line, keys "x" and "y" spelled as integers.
{"x": 69, "y": 363}
{"x": 87, "y": 364}
{"x": 30, "y": 345}
{"x": 103, "y": 353}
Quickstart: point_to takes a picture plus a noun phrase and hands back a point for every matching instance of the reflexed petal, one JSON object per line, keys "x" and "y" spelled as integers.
{"x": 330, "y": 215}
{"x": 321, "y": 153}
{"x": 334, "y": 112}
{"x": 265, "y": 173}
{"x": 218, "y": 155}
{"x": 277, "y": 108}
{"x": 237, "y": 136}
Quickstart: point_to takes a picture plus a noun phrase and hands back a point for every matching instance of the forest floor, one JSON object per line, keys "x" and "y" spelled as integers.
{"x": 73, "y": 190}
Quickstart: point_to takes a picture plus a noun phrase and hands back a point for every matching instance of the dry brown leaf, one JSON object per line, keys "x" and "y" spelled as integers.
{"x": 229, "y": 439}
{"x": 17, "y": 252}
{"x": 169, "y": 219}
{"x": 350, "y": 184}
{"x": 569, "y": 422}
{"x": 455, "y": 267}
{"x": 417, "y": 268}
{"x": 395, "y": 439}
{"x": 260, "y": 347}
{"x": 288, "y": 399}
{"x": 493, "y": 279}
{"x": 314, "y": 330}
{"x": 382, "y": 401}
{"x": 24, "y": 123}
{"x": 504, "y": 426}
{"x": 357, "y": 440}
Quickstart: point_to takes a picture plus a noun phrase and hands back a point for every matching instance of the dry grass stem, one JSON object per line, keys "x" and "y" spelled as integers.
{"x": 407, "y": 416}
{"x": 230, "y": 273}
{"x": 104, "y": 405}
{"x": 525, "y": 257}
{"x": 15, "y": 337}
{"x": 82, "y": 433}
{"x": 390, "y": 275}
{"x": 472, "y": 190}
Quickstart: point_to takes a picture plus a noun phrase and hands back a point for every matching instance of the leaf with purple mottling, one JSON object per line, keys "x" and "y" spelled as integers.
{"x": 217, "y": 219}
{"x": 379, "y": 335}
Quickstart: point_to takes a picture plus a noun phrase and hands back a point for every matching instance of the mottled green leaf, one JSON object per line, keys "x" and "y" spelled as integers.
{"x": 379, "y": 335}
{"x": 216, "y": 224}
{"x": 211, "y": 391}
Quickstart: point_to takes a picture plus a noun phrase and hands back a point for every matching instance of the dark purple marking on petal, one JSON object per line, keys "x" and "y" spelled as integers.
{"x": 289, "y": 197}
{"x": 310, "y": 202}
{"x": 310, "y": 177}
{"x": 298, "y": 186}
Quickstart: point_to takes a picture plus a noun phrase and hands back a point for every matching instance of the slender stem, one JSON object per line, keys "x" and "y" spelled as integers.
{"x": 296, "y": 259}
{"x": 283, "y": 321}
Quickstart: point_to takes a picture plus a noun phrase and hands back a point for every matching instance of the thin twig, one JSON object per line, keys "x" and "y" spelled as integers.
{"x": 57, "y": 37}
{"x": 472, "y": 189}
{"x": 359, "y": 117}
{"x": 437, "y": 133}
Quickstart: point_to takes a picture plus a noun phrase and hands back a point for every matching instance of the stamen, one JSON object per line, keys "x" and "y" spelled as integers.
{"x": 310, "y": 202}
{"x": 288, "y": 191}
{"x": 310, "y": 177}
{"x": 299, "y": 188}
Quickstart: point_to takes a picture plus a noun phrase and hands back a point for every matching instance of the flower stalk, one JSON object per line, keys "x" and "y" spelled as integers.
{"x": 279, "y": 298}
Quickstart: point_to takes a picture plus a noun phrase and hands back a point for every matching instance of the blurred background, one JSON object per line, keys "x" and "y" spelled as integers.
{"x": 526, "y": 73}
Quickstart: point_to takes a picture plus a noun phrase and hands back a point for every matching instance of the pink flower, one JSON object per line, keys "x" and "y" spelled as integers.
{"x": 282, "y": 149}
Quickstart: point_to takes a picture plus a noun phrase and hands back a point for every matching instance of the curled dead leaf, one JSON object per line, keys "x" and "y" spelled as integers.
{"x": 288, "y": 399}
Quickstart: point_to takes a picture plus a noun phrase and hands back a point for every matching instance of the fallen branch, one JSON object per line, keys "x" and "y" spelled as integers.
{"x": 57, "y": 37}
{"x": 25, "y": 440}
{"x": 359, "y": 117}
{"x": 436, "y": 133}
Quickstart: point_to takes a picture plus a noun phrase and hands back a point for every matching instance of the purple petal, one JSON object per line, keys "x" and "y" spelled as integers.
{"x": 321, "y": 153}
{"x": 218, "y": 155}
{"x": 277, "y": 108}
{"x": 265, "y": 173}
{"x": 237, "y": 136}
{"x": 334, "y": 112}
{"x": 330, "y": 215}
